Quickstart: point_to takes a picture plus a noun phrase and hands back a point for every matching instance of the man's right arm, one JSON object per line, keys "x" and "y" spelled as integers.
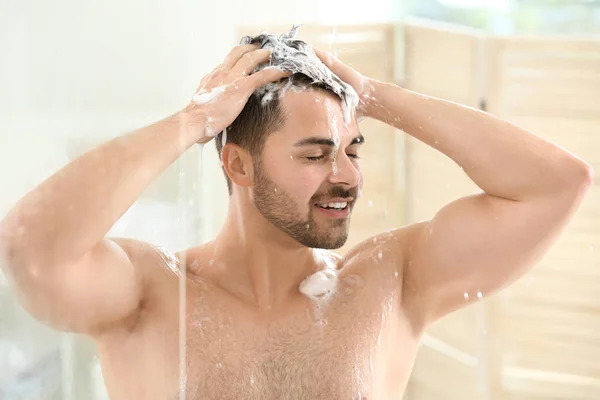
{"x": 52, "y": 242}
{"x": 64, "y": 271}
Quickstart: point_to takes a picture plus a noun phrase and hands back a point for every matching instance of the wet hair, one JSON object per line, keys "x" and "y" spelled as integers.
{"x": 263, "y": 113}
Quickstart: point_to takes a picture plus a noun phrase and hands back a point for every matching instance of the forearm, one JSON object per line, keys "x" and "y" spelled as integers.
{"x": 501, "y": 158}
{"x": 66, "y": 215}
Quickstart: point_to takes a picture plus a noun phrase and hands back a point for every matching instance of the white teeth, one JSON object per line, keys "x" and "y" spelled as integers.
{"x": 334, "y": 205}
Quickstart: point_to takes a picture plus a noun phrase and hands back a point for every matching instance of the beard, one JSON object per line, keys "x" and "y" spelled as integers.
{"x": 279, "y": 208}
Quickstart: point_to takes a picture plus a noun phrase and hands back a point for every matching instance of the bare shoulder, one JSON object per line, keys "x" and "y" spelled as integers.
{"x": 384, "y": 254}
{"x": 388, "y": 247}
{"x": 150, "y": 265}
{"x": 149, "y": 259}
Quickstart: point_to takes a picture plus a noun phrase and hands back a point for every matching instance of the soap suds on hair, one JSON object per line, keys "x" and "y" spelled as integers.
{"x": 298, "y": 57}
{"x": 224, "y": 138}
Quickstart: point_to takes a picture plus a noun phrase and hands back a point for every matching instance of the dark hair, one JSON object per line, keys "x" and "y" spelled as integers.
{"x": 259, "y": 119}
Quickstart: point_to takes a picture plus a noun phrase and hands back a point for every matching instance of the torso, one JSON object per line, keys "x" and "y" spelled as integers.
{"x": 355, "y": 344}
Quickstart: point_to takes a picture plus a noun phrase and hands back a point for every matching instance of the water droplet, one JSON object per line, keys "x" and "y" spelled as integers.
{"x": 466, "y": 296}
{"x": 291, "y": 157}
{"x": 275, "y": 190}
{"x": 370, "y": 203}
{"x": 396, "y": 274}
{"x": 219, "y": 365}
{"x": 307, "y": 226}
{"x": 479, "y": 295}
{"x": 379, "y": 255}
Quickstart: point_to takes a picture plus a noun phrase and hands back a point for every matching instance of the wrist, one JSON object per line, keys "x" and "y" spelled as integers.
{"x": 369, "y": 98}
{"x": 376, "y": 100}
{"x": 190, "y": 125}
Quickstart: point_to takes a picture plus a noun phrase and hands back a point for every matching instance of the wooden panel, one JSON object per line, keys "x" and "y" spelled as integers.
{"x": 548, "y": 322}
{"x": 443, "y": 64}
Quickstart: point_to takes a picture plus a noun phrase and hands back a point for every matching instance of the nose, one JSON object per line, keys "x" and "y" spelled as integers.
{"x": 344, "y": 171}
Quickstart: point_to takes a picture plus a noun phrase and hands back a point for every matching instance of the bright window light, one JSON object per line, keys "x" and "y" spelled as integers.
{"x": 493, "y": 4}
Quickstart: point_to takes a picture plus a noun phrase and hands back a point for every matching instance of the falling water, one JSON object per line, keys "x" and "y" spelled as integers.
{"x": 182, "y": 286}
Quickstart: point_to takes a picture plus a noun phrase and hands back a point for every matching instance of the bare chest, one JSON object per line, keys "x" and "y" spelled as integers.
{"x": 338, "y": 349}
{"x": 354, "y": 346}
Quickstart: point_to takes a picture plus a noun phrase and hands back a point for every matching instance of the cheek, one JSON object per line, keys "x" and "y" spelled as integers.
{"x": 301, "y": 187}
{"x": 300, "y": 182}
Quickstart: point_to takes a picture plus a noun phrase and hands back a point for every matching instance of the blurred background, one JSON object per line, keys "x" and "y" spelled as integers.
{"x": 75, "y": 73}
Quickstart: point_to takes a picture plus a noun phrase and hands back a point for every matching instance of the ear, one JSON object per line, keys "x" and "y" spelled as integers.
{"x": 237, "y": 163}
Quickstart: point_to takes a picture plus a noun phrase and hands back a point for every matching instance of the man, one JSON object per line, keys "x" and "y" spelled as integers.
{"x": 269, "y": 312}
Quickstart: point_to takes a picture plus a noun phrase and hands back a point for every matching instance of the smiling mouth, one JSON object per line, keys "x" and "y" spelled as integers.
{"x": 337, "y": 210}
{"x": 333, "y": 206}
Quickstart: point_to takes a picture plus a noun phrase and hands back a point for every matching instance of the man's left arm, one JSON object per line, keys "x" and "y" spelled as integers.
{"x": 481, "y": 243}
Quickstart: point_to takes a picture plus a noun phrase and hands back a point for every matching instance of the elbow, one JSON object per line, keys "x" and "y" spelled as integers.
{"x": 576, "y": 173}
{"x": 588, "y": 174}
{"x": 578, "y": 182}
{"x": 584, "y": 176}
{"x": 16, "y": 261}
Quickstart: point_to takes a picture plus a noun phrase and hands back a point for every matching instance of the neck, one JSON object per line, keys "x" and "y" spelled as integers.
{"x": 260, "y": 264}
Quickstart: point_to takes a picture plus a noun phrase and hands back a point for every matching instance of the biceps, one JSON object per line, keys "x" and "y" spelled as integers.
{"x": 475, "y": 246}
{"x": 90, "y": 294}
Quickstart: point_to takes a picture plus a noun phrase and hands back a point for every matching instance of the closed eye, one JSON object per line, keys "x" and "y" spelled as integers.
{"x": 317, "y": 158}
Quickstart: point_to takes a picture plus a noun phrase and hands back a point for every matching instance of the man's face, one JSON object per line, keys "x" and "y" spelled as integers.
{"x": 307, "y": 179}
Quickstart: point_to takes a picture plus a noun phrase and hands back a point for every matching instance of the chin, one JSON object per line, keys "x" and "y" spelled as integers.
{"x": 337, "y": 244}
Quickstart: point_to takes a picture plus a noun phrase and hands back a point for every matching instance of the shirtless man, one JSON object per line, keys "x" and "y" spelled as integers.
{"x": 270, "y": 313}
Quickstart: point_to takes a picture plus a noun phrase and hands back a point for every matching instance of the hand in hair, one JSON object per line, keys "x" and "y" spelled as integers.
{"x": 223, "y": 93}
{"x": 360, "y": 83}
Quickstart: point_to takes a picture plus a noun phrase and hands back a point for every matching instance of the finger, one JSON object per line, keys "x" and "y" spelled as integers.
{"x": 236, "y": 53}
{"x": 249, "y": 61}
{"x": 343, "y": 71}
{"x": 327, "y": 58}
{"x": 267, "y": 75}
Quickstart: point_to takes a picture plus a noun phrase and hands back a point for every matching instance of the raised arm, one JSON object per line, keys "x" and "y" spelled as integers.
{"x": 477, "y": 244}
{"x": 52, "y": 244}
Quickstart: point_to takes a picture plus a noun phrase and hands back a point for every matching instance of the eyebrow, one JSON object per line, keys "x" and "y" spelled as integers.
{"x": 314, "y": 140}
